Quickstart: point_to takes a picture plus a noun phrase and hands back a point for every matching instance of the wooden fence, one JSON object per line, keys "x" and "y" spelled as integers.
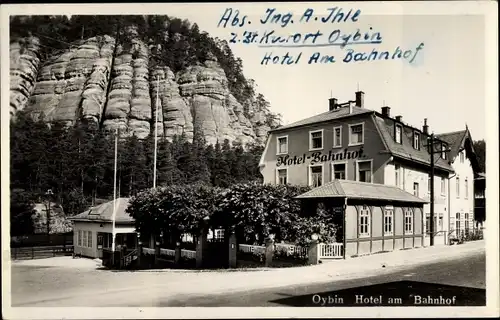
{"x": 331, "y": 250}
{"x": 40, "y": 252}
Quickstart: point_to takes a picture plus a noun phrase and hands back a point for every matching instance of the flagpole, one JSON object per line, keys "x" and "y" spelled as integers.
{"x": 113, "y": 219}
{"x": 156, "y": 131}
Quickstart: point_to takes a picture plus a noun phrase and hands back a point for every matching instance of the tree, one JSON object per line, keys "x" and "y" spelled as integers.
{"x": 480, "y": 150}
{"x": 74, "y": 202}
{"x": 254, "y": 211}
{"x": 173, "y": 210}
{"x": 21, "y": 211}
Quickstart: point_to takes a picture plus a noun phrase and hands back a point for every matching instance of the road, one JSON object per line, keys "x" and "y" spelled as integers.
{"x": 77, "y": 283}
{"x": 463, "y": 278}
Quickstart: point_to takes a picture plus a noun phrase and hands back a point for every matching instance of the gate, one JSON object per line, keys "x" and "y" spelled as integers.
{"x": 331, "y": 250}
{"x": 217, "y": 254}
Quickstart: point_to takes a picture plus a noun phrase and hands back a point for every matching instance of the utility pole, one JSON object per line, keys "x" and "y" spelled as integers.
{"x": 156, "y": 129}
{"x": 432, "y": 190}
{"x": 432, "y": 152}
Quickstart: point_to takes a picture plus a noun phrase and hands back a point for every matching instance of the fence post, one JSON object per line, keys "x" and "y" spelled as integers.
{"x": 232, "y": 250}
{"x": 201, "y": 247}
{"x": 139, "y": 249}
{"x": 157, "y": 252}
{"x": 269, "y": 251}
{"x": 313, "y": 254}
{"x": 32, "y": 253}
{"x": 177, "y": 256}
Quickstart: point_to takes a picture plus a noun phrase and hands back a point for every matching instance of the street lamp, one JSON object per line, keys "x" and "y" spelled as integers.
{"x": 48, "y": 194}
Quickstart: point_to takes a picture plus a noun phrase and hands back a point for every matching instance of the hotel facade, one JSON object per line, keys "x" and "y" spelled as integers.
{"x": 351, "y": 142}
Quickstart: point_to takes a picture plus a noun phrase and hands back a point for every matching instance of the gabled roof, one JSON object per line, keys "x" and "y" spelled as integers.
{"x": 454, "y": 140}
{"x": 360, "y": 190}
{"x": 326, "y": 116}
{"x": 458, "y": 141}
{"x": 104, "y": 212}
{"x": 405, "y": 150}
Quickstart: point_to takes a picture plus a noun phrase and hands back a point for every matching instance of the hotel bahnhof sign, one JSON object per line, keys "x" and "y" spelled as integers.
{"x": 319, "y": 157}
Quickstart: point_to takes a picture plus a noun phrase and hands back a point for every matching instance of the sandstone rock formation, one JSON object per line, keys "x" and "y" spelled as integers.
{"x": 24, "y": 63}
{"x": 86, "y": 83}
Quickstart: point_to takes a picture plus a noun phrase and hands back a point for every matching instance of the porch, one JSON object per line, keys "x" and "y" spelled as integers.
{"x": 369, "y": 217}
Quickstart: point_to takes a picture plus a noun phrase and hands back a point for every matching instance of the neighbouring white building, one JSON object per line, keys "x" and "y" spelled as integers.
{"x": 461, "y": 182}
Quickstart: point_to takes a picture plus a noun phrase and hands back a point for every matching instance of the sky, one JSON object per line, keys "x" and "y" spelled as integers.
{"x": 445, "y": 83}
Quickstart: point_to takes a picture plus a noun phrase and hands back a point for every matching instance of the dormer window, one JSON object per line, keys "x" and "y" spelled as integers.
{"x": 416, "y": 140}
{"x": 443, "y": 151}
{"x": 399, "y": 134}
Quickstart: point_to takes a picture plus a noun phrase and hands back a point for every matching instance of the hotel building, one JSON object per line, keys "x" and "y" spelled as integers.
{"x": 351, "y": 142}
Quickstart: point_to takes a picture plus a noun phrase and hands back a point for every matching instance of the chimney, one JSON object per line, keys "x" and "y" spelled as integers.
{"x": 399, "y": 118}
{"x": 425, "y": 128}
{"x": 351, "y": 105}
{"x": 332, "y": 103}
{"x": 386, "y": 111}
{"x": 360, "y": 98}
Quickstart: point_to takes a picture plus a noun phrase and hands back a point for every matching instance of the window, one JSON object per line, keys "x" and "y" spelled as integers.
{"x": 89, "y": 239}
{"x": 462, "y": 157}
{"x": 443, "y": 186}
{"x": 388, "y": 221}
{"x": 84, "y": 242}
{"x": 219, "y": 234}
{"x": 364, "y": 222}
{"x": 399, "y": 134}
{"x": 356, "y": 134}
{"x": 316, "y": 176}
{"x": 339, "y": 171}
{"x": 458, "y": 187}
{"x": 443, "y": 151}
{"x": 79, "y": 238}
{"x": 408, "y": 221}
{"x": 397, "y": 168}
{"x": 457, "y": 221}
{"x": 337, "y": 137}
{"x": 415, "y": 189}
{"x": 466, "y": 189}
{"x": 282, "y": 176}
{"x": 282, "y": 145}
{"x": 316, "y": 140}
{"x": 466, "y": 221}
{"x": 416, "y": 140}
{"x": 365, "y": 171}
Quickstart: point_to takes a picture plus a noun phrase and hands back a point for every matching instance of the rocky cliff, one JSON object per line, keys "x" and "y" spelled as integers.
{"x": 112, "y": 86}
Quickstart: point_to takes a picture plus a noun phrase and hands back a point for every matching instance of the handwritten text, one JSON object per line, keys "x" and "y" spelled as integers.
{"x": 272, "y": 30}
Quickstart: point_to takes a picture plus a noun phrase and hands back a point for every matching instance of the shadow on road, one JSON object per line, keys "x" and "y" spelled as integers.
{"x": 399, "y": 293}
